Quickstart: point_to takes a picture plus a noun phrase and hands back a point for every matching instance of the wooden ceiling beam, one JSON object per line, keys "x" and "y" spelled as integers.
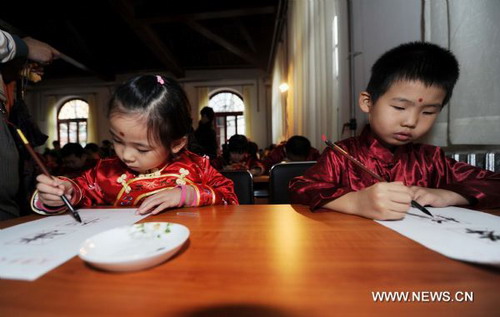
{"x": 101, "y": 74}
{"x": 149, "y": 37}
{"x": 246, "y": 35}
{"x": 210, "y": 15}
{"x": 224, "y": 43}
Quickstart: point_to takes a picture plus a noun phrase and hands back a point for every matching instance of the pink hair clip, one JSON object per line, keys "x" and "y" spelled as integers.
{"x": 160, "y": 79}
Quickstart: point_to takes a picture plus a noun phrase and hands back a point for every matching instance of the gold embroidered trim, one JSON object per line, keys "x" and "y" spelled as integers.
{"x": 130, "y": 181}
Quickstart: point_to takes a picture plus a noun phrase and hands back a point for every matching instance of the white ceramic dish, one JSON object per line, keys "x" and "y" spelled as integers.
{"x": 134, "y": 247}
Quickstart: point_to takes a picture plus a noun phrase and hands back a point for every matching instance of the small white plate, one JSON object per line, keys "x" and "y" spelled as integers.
{"x": 134, "y": 247}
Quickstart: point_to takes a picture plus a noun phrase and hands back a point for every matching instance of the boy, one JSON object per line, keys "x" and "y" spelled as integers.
{"x": 408, "y": 87}
{"x": 75, "y": 160}
{"x": 236, "y": 157}
{"x": 295, "y": 149}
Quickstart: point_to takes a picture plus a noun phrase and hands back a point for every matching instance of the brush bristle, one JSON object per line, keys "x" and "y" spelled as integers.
{"x": 323, "y": 137}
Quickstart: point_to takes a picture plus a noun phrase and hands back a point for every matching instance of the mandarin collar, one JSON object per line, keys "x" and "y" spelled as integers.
{"x": 376, "y": 149}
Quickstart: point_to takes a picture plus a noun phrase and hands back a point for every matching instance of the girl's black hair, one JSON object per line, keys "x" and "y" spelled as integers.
{"x": 415, "y": 61}
{"x": 163, "y": 103}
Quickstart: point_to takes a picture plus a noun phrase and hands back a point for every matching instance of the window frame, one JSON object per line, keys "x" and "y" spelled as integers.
{"x": 67, "y": 122}
{"x": 227, "y": 114}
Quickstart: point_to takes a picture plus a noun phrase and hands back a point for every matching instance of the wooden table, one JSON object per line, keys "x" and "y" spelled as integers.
{"x": 264, "y": 260}
{"x": 261, "y": 179}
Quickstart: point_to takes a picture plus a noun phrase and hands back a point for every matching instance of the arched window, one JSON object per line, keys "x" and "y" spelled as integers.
{"x": 229, "y": 114}
{"x": 72, "y": 122}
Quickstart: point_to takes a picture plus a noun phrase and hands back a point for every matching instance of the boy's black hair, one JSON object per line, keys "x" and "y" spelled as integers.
{"x": 415, "y": 61}
{"x": 72, "y": 148}
{"x": 298, "y": 146}
{"x": 238, "y": 143}
{"x": 163, "y": 103}
{"x": 92, "y": 147}
{"x": 253, "y": 148}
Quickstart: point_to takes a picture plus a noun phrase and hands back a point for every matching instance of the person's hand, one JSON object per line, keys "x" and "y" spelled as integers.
{"x": 384, "y": 201}
{"x": 437, "y": 197}
{"x": 256, "y": 171}
{"x": 40, "y": 52}
{"x": 165, "y": 199}
{"x": 50, "y": 189}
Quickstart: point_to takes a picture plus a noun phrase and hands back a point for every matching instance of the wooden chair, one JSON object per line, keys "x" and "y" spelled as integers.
{"x": 243, "y": 185}
{"x": 280, "y": 176}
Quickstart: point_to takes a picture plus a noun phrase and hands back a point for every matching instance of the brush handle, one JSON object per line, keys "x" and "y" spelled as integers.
{"x": 369, "y": 171}
{"x": 44, "y": 169}
{"x": 355, "y": 161}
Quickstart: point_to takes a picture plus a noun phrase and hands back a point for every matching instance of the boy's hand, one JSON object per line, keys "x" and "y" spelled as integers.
{"x": 164, "y": 200}
{"x": 50, "y": 189}
{"x": 437, "y": 197}
{"x": 384, "y": 201}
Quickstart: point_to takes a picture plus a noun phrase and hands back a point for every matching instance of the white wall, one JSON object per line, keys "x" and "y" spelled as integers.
{"x": 379, "y": 25}
{"x": 38, "y": 96}
{"x": 234, "y": 80}
{"x": 37, "y": 99}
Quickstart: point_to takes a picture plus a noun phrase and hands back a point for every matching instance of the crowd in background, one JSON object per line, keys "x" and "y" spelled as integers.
{"x": 238, "y": 153}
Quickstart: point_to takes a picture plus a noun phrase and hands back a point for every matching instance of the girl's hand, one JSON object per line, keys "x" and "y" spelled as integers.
{"x": 50, "y": 189}
{"x": 437, "y": 197}
{"x": 384, "y": 201}
{"x": 164, "y": 200}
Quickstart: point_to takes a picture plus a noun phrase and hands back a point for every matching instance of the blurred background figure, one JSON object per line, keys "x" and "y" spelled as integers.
{"x": 297, "y": 148}
{"x": 93, "y": 151}
{"x": 107, "y": 149}
{"x": 75, "y": 160}
{"x": 236, "y": 156}
{"x": 56, "y": 145}
{"x": 205, "y": 135}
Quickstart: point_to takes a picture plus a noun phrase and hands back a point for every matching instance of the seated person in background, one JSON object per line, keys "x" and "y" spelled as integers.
{"x": 297, "y": 148}
{"x": 107, "y": 149}
{"x": 267, "y": 151}
{"x": 92, "y": 151}
{"x": 253, "y": 150}
{"x": 236, "y": 157}
{"x": 52, "y": 161}
{"x": 408, "y": 87}
{"x": 75, "y": 160}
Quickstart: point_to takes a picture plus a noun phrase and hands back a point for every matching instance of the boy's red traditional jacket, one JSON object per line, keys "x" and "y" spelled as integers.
{"x": 110, "y": 182}
{"x": 413, "y": 164}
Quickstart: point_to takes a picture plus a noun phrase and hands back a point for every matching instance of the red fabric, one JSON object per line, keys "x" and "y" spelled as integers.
{"x": 10, "y": 95}
{"x": 100, "y": 185}
{"x": 278, "y": 155}
{"x": 413, "y": 164}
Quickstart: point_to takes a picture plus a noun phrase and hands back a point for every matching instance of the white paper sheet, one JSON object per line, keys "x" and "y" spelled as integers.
{"x": 458, "y": 233}
{"x": 31, "y": 249}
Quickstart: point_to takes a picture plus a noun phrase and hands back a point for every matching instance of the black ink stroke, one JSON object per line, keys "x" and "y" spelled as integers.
{"x": 485, "y": 234}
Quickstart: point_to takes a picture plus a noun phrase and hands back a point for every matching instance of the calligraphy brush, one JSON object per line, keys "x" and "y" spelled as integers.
{"x": 46, "y": 172}
{"x": 366, "y": 169}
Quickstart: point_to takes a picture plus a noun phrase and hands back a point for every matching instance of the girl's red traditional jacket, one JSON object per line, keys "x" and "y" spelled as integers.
{"x": 110, "y": 182}
{"x": 413, "y": 164}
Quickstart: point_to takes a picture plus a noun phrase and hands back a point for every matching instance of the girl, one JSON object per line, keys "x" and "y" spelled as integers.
{"x": 149, "y": 119}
